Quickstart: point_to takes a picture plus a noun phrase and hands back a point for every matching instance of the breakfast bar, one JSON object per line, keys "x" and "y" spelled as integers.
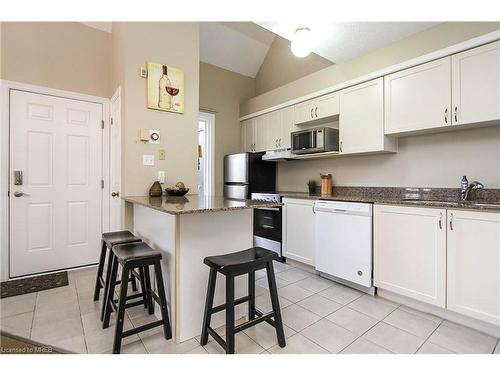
{"x": 186, "y": 230}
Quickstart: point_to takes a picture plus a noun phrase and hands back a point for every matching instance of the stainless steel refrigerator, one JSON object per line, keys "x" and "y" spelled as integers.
{"x": 246, "y": 173}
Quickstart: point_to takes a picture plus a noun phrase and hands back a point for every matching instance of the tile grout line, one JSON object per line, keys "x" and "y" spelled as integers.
{"x": 427, "y": 339}
{"x": 33, "y": 317}
{"x": 81, "y": 319}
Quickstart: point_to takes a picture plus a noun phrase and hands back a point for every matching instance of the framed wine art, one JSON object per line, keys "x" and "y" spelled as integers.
{"x": 165, "y": 88}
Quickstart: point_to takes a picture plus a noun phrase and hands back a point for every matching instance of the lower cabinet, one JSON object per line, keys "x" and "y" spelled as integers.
{"x": 447, "y": 258}
{"x": 410, "y": 252}
{"x": 298, "y": 230}
{"x": 473, "y": 264}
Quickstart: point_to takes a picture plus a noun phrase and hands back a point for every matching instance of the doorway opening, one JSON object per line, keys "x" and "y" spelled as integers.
{"x": 206, "y": 153}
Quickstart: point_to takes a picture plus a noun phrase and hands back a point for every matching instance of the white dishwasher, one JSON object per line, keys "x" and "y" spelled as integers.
{"x": 343, "y": 240}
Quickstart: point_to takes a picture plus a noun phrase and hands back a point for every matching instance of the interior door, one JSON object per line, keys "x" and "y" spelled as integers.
{"x": 55, "y": 211}
{"x": 115, "y": 206}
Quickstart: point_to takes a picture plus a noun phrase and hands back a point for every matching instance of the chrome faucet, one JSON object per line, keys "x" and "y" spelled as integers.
{"x": 476, "y": 185}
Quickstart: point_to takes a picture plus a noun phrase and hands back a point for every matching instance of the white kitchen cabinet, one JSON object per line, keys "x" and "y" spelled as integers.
{"x": 273, "y": 134}
{"x": 476, "y": 85}
{"x": 298, "y": 230}
{"x": 247, "y": 133}
{"x": 287, "y": 127}
{"x": 418, "y": 98}
{"x": 410, "y": 252}
{"x": 361, "y": 121}
{"x": 317, "y": 109}
{"x": 473, "y": 264}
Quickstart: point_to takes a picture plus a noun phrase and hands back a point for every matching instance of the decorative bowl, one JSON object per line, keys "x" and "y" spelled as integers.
{"x": 176, "y": 192}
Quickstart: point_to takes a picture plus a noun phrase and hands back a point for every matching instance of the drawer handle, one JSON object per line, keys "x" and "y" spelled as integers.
{"x": 316, "y": 111}
{"x": 312, "y": 109}
{"x": 451, "y": 221}
{"x": 446, "y": 116}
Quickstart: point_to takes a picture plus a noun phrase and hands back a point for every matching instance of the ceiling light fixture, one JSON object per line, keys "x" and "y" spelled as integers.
{"x": 301, "y": 42}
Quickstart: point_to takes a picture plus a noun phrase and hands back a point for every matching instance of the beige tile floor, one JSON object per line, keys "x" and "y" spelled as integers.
{"x": 320, "y": 316}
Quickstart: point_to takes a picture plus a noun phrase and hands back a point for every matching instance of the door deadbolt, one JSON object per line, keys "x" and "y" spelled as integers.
{"x": 115, "y": 194}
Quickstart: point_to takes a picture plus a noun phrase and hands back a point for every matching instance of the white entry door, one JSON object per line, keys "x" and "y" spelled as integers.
{"x": 115, "y": 203}
{"x": 55, "y": 212}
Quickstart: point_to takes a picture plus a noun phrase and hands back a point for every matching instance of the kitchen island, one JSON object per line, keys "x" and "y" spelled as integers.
{"x": 186, "y": 230}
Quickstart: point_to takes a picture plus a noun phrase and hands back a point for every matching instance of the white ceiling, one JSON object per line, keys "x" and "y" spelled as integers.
{"x": 236, "y": 46}
{"x": 341, "y": 41}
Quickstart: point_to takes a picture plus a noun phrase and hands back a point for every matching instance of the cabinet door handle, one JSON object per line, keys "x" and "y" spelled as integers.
{"x": 451, "y": 221}
{"x": 313, "y": 208}
{"x": 316, "y": 111}
{"x": 446, "y": 116}
{"x": 455, "y": 114}
{"x": 440, "y": 220}
{"x": 312, "y": 109}
{"x": 279, "y": 142}
{"x": 340, "y": 146}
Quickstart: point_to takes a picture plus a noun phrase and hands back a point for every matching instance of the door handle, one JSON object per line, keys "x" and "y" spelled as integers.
{"x": 455, "y": 114}
{"x": 451, "y": 221}
{"x": 440, "y": 220}
{"x": 316, "y": 111}
{"x": 446, "y": 116}
{"x": 115, "y": 194}
{"x": 312, "y": 109}
{"x": 19, "y": 194}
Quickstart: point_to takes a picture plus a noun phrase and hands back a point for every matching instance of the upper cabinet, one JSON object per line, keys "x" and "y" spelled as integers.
{"x": 361, "y": 121}
{"x": 418, "y": 98}
{"x": 476, "y": 85}
{"x": 270, "y": 131}
{"x": 318, "y": 109}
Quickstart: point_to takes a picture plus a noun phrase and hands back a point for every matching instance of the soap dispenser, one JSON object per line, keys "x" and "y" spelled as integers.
{"x": 464, "y": 184}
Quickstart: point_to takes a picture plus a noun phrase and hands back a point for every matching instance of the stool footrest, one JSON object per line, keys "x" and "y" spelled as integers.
{"x": 236, "y": 302}
{"x": 268, "y": 320}
{"x": 253, "y": 322}
{"x": 217, "y": 337}
{"x": 142, "y": 328}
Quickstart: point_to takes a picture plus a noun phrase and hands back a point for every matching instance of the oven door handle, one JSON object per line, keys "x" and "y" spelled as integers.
{"x": 268, "y": 208}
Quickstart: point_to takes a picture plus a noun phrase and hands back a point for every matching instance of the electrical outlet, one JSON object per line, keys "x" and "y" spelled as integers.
{"x": 161, "y": 154}
{"x": 161, "y": 177}
{"x": 148, "y": 160}
{"x": 143, "y": 72}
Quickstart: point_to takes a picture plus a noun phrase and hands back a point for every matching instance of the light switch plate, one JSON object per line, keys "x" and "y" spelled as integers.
{"x": 161, "y": 177}
{"x": 148, "y": 160}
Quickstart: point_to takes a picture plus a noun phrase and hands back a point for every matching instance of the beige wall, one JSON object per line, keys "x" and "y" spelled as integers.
{"x": 281, "y": 66}
{"x": 171, "y": 43}
{"x": 432, "y": 160}
{"x": 222, "y": 91}
{"x": 62, "y": 55}
{"x": 437, "y": 37}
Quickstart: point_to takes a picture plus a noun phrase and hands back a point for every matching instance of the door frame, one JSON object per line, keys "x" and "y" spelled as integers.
{"x": 116, "y": 97}
{"x": 210, "y": 151}
{"x": 5, "y": 88}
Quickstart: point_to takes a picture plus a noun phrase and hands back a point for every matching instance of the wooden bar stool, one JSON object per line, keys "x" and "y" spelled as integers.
{"x": 232, "y": 265}
{"x": 132, "y": 256}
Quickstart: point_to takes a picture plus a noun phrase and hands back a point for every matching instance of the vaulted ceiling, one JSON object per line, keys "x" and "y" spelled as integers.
{"x": 242, "y": 46}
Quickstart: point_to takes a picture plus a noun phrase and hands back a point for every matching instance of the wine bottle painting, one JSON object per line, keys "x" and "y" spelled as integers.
{"x": 165, "y": 88}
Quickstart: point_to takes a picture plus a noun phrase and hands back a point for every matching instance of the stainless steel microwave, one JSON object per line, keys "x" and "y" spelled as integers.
{"x": 315, "y": 140}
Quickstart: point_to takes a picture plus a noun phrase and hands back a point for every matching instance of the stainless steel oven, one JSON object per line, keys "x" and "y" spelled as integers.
{"x": 315, "y": 140}
{"x": 267, "y": 223}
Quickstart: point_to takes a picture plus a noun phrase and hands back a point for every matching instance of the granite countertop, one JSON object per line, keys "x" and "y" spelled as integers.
{"x": 488, "y": 200}
{"x": 193, "y": 203}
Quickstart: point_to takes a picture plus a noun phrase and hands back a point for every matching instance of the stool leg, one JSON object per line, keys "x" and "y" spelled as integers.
{"x": 143, "y": 286}
{"x": 251, "y": 295}
{"x": 229, "y": 314}
{"x": 134, "y": 283}
{"x": 276, "y": 304}
{"x": 167, "y": 331}
{"x": 207, "y": 316}
{"x": 149, "y": 290}
{"x": 111, "y": 292}
{"x": 122, "y": 300}
{"x": 99, "y": 272}
{"x": 107, "y": 283}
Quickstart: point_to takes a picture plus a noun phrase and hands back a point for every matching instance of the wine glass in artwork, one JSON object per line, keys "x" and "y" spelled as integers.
{"x": 172, "y": 88}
